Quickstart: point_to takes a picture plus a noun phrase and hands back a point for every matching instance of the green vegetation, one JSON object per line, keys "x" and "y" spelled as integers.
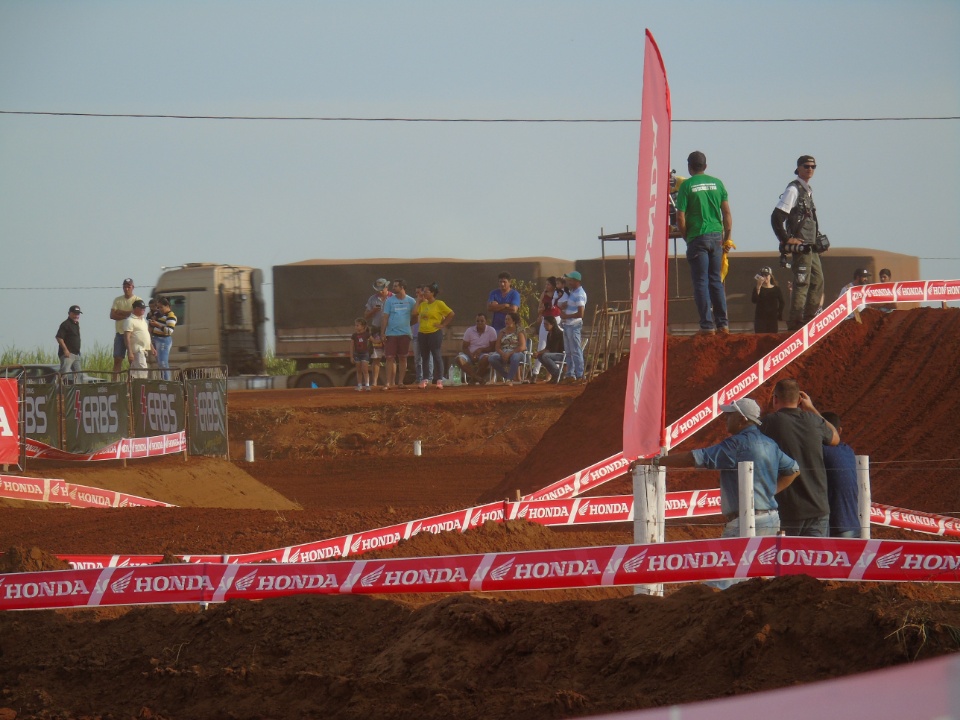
{"x": 99, "y": 358}
{"x": 278, "y": 366}
{"x": 529, "y": 301}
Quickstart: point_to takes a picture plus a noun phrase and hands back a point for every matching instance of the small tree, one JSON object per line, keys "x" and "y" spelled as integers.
{"x": 529, "y": 301}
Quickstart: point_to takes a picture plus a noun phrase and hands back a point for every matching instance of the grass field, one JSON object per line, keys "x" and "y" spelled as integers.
{"x": 100, "y": 358}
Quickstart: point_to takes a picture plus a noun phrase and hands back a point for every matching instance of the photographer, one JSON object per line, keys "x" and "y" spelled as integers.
{"x": 795, "y": 224}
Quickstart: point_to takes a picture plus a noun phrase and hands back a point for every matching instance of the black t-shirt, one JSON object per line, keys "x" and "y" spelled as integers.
{"x": 801, "y": 435}
{"x": 69, "y": 332}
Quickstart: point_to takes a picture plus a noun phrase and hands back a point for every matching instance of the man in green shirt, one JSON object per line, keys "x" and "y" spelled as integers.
{"x": 705, "y": 221}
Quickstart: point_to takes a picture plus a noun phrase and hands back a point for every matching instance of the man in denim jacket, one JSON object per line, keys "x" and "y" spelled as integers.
{"x": 773, "y": 470}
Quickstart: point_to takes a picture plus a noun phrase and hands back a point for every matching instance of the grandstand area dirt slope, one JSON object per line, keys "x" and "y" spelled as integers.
{"x": 335, "y": 461}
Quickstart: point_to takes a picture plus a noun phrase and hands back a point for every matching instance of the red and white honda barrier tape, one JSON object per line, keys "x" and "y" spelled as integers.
{"x": 929, "y": 523}
{"x": 689, "y": 561}
{"x": 14, "y": 487}
{"x": 123, "y": 449}
{"x": 584, "y": 480}
{"x": 52, "y": 490}
{"x": 578, "y": 511}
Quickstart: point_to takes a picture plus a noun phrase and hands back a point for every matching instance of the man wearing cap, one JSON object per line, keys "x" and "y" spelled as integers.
{"x": 861, "y": 276}
{"x": 572, "y": 306}
{"x": 773, "y": 470}
{"x": 121, "y": 309}
{"x": 502, "y": 300}
{"x": 801, "y": 432}
{"x": 705, "y": 221}
{"x": 136, "y": 334}
{"x": 795, "y": 224}
{"x": 68, "y": 339}
{"x": 373, "y": 314}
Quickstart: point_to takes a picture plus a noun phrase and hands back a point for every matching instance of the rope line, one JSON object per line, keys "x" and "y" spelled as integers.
{"x": 315, "y": 118}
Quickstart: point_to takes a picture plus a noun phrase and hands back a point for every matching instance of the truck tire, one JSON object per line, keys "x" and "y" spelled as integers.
{"x": 313, "y": 379}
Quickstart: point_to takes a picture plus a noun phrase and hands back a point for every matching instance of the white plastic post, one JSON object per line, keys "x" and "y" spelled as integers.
{"x": 748, "y": 518}
{"x": 649, "y": 500}
{"x": 865, "y": 498}
{"x": 417, "y": 448}
{"x": 249, "y": 451}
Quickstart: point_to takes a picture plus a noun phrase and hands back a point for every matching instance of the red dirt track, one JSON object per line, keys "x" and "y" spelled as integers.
{"x": 335, "y": 461}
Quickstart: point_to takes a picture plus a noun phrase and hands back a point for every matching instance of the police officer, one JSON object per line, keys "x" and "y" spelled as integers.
{"x": 795, "y": 224}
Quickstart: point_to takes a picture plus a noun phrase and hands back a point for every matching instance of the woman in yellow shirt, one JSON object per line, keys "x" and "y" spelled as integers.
{"x": 434, "y": 317}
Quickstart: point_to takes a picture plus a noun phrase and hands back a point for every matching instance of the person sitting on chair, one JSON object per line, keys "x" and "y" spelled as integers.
{"x": 478, "y": 342}
{"x": 552, "y": 354}
{"x": 510, "y": 349}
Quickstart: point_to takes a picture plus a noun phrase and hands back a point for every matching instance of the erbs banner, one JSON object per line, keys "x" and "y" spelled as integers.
{"x": 94, "y": 415}
{"x": 157, "y": 408}
{"x": 40, "y": 418}
{"x": 9, "y": 422}
{"x": 207, "y": 417}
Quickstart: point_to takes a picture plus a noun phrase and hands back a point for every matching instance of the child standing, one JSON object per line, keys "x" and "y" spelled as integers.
{"x": 360, "y": 347}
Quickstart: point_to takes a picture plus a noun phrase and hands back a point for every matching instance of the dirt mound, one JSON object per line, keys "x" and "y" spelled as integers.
{"x": 463, "y": 656}
{"x": 198, "y": 482}
{"x": 20, "y": 559}
{"x": 541, "y": 655}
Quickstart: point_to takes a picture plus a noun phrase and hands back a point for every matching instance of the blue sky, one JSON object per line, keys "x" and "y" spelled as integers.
{"x": 85, "y": 202}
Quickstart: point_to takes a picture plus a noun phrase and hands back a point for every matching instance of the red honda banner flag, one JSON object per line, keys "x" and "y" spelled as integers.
{"x": 644, "y": 406}
{"x": 9, "y": 422}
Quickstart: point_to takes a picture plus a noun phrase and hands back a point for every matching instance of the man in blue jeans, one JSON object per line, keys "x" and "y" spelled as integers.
{"x": 705, "y": 221}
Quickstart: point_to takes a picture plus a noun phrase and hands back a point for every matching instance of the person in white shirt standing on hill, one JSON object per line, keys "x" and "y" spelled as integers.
{"x": 572, "y": 307}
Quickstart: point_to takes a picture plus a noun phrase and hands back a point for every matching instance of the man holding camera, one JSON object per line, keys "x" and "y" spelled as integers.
{"x": 795, "y": 224}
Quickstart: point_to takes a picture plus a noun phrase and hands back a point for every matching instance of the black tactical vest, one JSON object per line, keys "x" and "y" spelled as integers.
{"x": 803, "y": 217}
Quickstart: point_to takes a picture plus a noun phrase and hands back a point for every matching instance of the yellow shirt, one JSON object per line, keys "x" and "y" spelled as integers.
{"x": 125, "y": 304}
{"x": 431, "y": 315}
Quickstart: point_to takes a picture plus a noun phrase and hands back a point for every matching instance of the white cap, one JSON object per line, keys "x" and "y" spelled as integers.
{"x": 746, "y": 407}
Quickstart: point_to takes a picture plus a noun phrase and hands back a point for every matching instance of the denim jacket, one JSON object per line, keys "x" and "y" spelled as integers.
{"x": 769, "y": 463}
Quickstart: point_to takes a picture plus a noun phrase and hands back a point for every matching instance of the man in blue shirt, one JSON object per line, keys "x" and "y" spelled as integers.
{"x": 843, "y": 490}
{"x": 772, "y": 469}
{"x": 395, "y": 329}
{"x": 502, "y": 300}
